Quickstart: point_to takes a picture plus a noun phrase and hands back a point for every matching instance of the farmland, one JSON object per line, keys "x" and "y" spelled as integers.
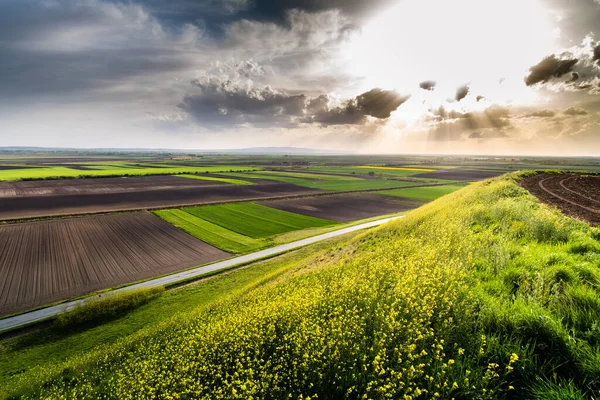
{"x": 345, "y": 207}
{"x": 463, "y": 298}
{"x": 90, "y": 170}
{"x": 48, "y": 261}
{"x": 325, "y": 182}
{"x": 27, "y": 199}
{"x": 423, "y": 193}
{"x": 254, "y": 220}
{"x": 211, "y": 233}
{"x": 575, "y": 195}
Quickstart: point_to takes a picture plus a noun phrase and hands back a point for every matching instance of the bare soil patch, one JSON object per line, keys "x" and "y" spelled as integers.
{"x": 48, "y": 261}
{"x": 28, "y": 199}
{"x": 576, "y": 195}
{"x": 345, "y": 207}
{"x": 460, "y": 174}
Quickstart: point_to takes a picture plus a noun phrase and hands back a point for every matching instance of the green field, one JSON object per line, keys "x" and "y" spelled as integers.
{"x": 484, "y": 294}
{"x": 423, "y": 193}
{"x": 388, "y": 172}
{"x": 211, "y": 178}
{"x": 325, "y": 182}
{"x": 210, "y": 233}
{"x": 112, "y": 169}
{"x": 255, "y": 221}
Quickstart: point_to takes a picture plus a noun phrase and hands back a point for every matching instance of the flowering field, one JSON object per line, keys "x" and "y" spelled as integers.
{"x": 482, "y": 294}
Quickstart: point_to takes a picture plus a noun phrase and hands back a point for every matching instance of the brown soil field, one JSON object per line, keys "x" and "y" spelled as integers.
{"x": 576, "y": 195}
{"x": 28, "y": 199}
{"x": 460, "y": 174}
{"x": 48, "y": 261}
{"x": 345, "y": 207}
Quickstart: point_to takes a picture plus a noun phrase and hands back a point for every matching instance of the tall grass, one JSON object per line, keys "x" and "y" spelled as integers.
{"x": 109, "y": 305}
{"x": 483, "y": 294}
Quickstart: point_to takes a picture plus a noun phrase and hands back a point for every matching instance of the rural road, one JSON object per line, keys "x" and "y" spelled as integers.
{"x": 48, "y": 312}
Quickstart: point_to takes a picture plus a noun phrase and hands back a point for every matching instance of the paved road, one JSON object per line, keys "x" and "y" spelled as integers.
{"x": 48, "y": 312}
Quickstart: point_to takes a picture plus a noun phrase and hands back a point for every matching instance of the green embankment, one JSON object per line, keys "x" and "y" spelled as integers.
{"x": 254, "y": 220}
{"x": 423, "y": 193}
{"x": 485, "y": 293}
{"x": 210, "y": 233}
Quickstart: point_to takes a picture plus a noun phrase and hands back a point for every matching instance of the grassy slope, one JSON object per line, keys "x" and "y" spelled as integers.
{"x": 485, "y": 293}
{"x": 423, "y": 193}
{"x": 210, "y": 233}
{"x": 254, "y": 220}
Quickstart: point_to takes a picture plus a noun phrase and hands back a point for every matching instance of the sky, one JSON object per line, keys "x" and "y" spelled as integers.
{"x": 504, "y": 77}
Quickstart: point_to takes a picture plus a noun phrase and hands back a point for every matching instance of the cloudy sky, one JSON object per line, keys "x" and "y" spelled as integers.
{"x": 392, "y": 76}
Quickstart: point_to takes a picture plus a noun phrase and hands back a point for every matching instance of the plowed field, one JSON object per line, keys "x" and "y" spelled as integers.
{"x": 345, "y": 207}
{"x": 47, "y": 261}
{"x": 27, "y": 199}
{"x": 575, "y": 195}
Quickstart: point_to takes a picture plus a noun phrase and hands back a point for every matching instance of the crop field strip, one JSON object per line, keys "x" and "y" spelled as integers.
{"x": 345, "y": 207}
{"x": 62, "y": 170}
{"x": 254, "y": 220}
{"x": 215, "y": 179}
{"x": 31, "y": 199}
{"x": 459, "y": 174}
{"x": 575, "y": 195}
{"x": 210, "y": 233}
{"x": 325, "y": 182}
{"x": 49, "y": 261}
{"x": 423, "y": 193}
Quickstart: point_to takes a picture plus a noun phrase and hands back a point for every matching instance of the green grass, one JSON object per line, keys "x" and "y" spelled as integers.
{"x": 423, "y": 193}
{"x": 485, "y": 293}
{"x": 211, "y": 178}
{"x": 210, "y": 233}
{"x": 113, "y": 170}
{"x": 254, "y": 220}
{"x": 109, "y": 306}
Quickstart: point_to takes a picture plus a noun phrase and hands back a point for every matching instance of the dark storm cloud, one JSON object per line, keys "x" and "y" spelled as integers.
{"x": 427, "y": 85}
{"x": 542, "y": 114}
{"x": 549, "y": 68}
{"x": 226, "y": 103}
{"x": 573, "y": 111}
{"x": 461, "y": 92}
{"x": 63, "y": 47}
{"x": 275, "y": 10}
{"x": 376, "y": 103}
{"x": 596, "y": 56}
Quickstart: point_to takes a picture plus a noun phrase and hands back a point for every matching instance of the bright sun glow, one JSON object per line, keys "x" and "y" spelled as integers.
{"x": 487, "y": 43}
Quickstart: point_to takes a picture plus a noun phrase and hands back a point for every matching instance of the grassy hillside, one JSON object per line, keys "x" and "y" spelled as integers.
{"x": 484, "y": 293}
